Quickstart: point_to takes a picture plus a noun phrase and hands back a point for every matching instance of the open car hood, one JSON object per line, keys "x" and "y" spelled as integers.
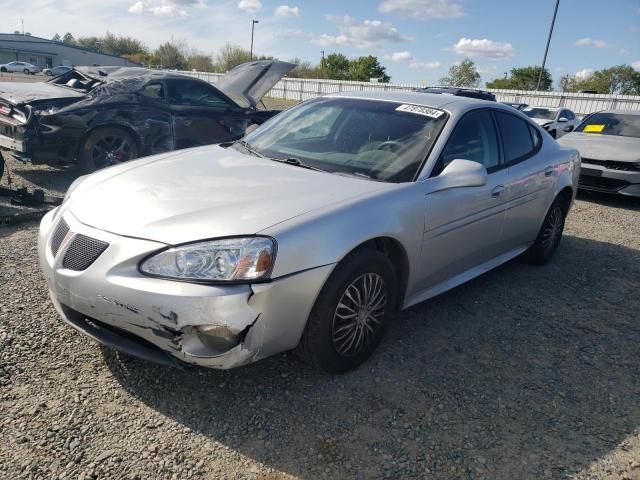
{"x": 16, "y": 93}
{"x": 252, "y": 80}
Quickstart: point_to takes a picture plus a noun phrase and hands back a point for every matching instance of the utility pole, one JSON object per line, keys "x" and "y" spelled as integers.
{"x": 322, "y": 63}
{"x": 546, "y": 50}
{"x": 253, "y": 24}
{"x": 22, "y": 21}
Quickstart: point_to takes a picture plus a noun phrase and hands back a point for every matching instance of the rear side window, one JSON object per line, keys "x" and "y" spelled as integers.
{"x": 516, "y": 137}
{"x": 535, "y": 136}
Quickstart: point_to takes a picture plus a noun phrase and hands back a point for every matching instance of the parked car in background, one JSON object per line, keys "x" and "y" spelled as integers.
{"x": 99, "y": 116}
{"x": 22, "y": 67}
{"x": 460, "y": 92}
{"x": 556, "y": 121}
{"x": 309, "y": 233}
{"x": 517, "y": 106}
{"x": 55, "y": 71}
{"x": 609, "y": 143}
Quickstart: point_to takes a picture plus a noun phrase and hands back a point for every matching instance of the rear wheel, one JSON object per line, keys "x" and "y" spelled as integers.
{"x": 26, "y": 71}
{"x": 549, "y": 236}
{"x": 105, "y": 147}
{"x": 351, "y": 313}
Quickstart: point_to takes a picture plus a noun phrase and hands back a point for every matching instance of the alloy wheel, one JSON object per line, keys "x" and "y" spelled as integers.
{"x": 359, "y": 314}
{"x": 110, "y": 150}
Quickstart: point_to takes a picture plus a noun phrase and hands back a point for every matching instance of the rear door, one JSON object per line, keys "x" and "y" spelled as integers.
{"x": 531, "y": 179}
{"x": 201, "y": 114}
{"x": 463, "y": 226}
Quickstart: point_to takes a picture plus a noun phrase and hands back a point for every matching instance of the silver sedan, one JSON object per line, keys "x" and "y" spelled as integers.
{"x": 311, "y": 233}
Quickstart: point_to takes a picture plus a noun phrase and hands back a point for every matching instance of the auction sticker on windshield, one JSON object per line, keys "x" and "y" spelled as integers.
{"x": 593, "y": 128}
{"x": 419, "y": 110}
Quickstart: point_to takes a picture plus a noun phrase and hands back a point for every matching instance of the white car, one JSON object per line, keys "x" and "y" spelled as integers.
{"x": 556, "y": 121}
{"x": 310, "y": 233}
{"x": 23, "y": 67}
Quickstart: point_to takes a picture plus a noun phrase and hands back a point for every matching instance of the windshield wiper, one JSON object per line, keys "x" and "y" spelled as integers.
{"x": 249, "y": 148}
{"x": 296, "y": 162}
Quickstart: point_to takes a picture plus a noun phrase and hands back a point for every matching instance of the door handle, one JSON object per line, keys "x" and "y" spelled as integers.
{"x": 497, "y": 191}
{"x": 548, "y": 171}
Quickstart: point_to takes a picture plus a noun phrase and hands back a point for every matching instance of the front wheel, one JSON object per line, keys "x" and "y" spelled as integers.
{"x": 105, "y": 147}
{"x": 26, "y": 71}
{"x": 351, "y": 313}
{"x": 549, "y": 236}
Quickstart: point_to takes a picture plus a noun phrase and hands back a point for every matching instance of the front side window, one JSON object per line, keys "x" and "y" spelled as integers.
{"x": 385, "y": 141}
{"x": 153, "y": 90}
{"x": 620, "y": 124}
{"x": 475, "y": 139}
{"x": 516, "y": 137}
{"x": 189, "y": 92}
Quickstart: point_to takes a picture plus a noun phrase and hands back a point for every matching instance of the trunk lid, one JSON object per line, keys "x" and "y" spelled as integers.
{"x": 252, "y": 80}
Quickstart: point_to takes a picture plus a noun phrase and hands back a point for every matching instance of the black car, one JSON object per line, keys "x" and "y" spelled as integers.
{"x": 460, "y": 92}
{"x": 98, "y": 116}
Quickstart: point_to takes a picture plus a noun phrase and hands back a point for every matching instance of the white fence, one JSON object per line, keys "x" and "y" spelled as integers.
{"x": 303, "y": 89}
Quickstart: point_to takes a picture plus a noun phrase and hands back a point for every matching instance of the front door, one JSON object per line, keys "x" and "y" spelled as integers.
{"x": 202, "y": 115}
{"x": 463, "y": 226}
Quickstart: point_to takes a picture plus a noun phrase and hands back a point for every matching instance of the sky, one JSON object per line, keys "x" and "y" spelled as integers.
{"x": 417, "y": 40}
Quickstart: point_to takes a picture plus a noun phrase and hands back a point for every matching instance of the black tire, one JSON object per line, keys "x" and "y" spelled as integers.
{"x": 106, "y": 146}
{"x": 341, "y": 336}
{"x": 3, "y": 69}
{"x": 1, "y": 166}
{"x": 550, "y": 234}
{"x": 26, "y": 71}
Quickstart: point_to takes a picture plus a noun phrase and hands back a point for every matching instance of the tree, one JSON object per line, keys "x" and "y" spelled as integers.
{"x": 68, "y": 38}
{"x": 620, "y": 79}
{"x": 200, "y": 62}
{"x": 56, "y": 38}
{"x": 365, "y": 68}
{"x": 90, "y": 43}
{"x": 524, "y": 78}
{"x": 118, "y": 46}
{"x": 464, "y": 74}
{"x": 304, "y": 69}
{"x": 335, "y": 66}
{"x": 169, "y": 55}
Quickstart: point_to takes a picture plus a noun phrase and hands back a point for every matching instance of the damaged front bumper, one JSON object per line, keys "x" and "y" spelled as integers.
{"x": 167, "y": 321}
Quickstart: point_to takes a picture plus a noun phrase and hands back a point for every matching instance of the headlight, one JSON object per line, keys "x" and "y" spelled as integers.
{"x": 224, "y": 260}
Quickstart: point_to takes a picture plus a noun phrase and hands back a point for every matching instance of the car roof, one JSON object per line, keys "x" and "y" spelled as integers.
{"x": 622, "y": 111}
{"x": 454, "y": 104}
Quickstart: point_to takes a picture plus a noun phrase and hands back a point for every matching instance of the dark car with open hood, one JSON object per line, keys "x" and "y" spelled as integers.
{"x": 100, "y": 116}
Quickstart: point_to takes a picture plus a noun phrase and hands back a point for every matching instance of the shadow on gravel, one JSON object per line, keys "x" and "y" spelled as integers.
{"x": 525, "y": 372}
{"x": 53, "y": 178}
{"x": 607, "y": 200}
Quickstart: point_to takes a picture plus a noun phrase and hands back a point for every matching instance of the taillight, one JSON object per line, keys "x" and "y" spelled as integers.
{"x": 5, "y": 110}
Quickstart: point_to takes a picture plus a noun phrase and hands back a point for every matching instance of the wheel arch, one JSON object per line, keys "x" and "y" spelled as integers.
{"x": 397, "y": 255}
{"x": 126, "y": 128}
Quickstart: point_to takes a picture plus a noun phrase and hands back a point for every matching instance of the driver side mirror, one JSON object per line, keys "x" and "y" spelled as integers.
{"x": 459, "y": 173}
{"x": 563, "y": 120}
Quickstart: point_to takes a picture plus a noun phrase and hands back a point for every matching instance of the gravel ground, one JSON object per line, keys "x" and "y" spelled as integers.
{"x": 524, "y": 372}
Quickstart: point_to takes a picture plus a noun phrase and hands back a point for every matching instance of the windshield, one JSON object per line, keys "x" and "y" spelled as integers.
{"x": 540, "y": 113}
{"x": 611, "y": 124}
{"x": 385, "y": 141}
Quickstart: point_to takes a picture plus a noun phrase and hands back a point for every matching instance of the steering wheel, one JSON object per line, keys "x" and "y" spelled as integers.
{"x": 390, "y": 145}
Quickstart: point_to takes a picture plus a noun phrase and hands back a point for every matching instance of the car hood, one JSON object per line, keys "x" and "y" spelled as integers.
{"x": 206, "y": 192}
{"x": 16, "y": 93}
{"x": 251, "y": 81}
{"x": 604, "y": 147}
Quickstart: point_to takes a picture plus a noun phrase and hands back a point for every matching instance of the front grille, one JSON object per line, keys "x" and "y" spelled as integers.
{"x": 601, "y": 184}
{"x": 614, "y": 165}
{"x": 58, "y": 236}
{"x": 82, "y": 252}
